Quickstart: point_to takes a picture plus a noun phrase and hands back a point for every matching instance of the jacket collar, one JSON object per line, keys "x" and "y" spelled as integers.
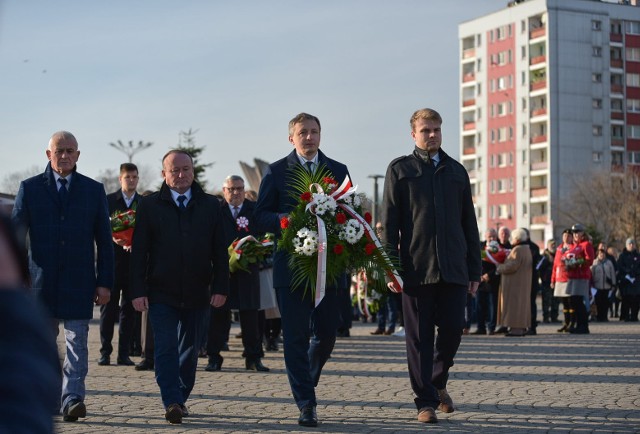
{"x": 197, "y": 193}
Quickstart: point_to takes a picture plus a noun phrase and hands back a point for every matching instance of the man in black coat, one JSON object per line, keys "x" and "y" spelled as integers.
{"x": 120, "y": 201}
{"x": 238, "y": 222}
{"x": 179, "y": 266}
{"x": 430, "y": 224}
{"x": 301, "y": 321}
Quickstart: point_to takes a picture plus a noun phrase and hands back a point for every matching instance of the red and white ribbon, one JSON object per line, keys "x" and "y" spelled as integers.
{"x": 241, "y": 242}
{"x": 361, "y": 293}
{"x": 491, "y": 258}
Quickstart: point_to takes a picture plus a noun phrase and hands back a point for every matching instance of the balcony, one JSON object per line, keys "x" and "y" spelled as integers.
{"x": 468, "y": 53}
{"x": 539, "y": 219}
{"x": 469, "y": 102}
{"x": 615, "y": 37}
{"x": 616, "y": 88}
{"x": 539, "y": 192}
{"x": 616, "y": 63}
{"x": 468, "y": 77}
{"x": 469, "y": 126}
{"x": 537, "y": 33}
{"x": 473, "y": 174}
{"x": 537, "y": 59}
{"x": 540, "y": 138}
{"x": 542, "y": 84}
{"x": 617, "y": 142}
{"x": 469, "y": 150}
{"x": 538, "y": 112}
{"x": 617, "y": 168}
{"x": 539, "y": 165}
{"x": 617, "y": 115}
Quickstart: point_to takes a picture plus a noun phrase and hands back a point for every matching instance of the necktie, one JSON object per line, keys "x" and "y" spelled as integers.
{"x": 435, "y": 163}
{"x": 309, "y": 165}
{"x": 181, "y": 200}
{"x": 236, "y": 211}
{"x": 62, "y": 191}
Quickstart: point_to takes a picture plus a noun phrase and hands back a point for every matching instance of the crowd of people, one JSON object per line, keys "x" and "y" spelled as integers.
{"x": 170, "y": 287}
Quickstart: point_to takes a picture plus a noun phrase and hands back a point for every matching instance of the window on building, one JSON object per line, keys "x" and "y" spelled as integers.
{"x": 525, "y": 182}
{"x": 524, "y": 157}
{"x": 597, "y": 157}
{"x": 491, "y": 36}
{"x": 596, "y": 77}
{"x": 633, "y": 131}
{"x": 479, "y": 139}
{"x": 510, "y": 184}
{"x": 479, "y": 65}
{"x": 502, "y": 84}
{"x": 523, "y": 78}
{"x": 479, "y": 162}
{"x": 492, "y": 186}
{"x": 617, "y": 132}
{"x": 479, "y": 89}
{"x": 478, "y": 40}
{"x": 597, "y": 130}
{"x": 615, "y": 27}
{"x": 524, "y": 130}
{"x": 492, "y": 86}
{"x": 493, "y": 136}
{"x": 633, "y": 27}
{"x": 492, "y": 111}
{"x": 502, "y": 160}
{"x": 501, "y": 33}
{"x": 596, "y": 103}
{"x": 616, "y": 158}
{"x": 596, "y": 51}
{"x": 632, "y": 54}
{"x": 633, "y": 105}
{"x": 504, "y": 211}
{"x": 524, "y": 209}
{"x": 633, "y": 80}
{"x": 524, "y": 104}
{"x": 523, "y": 52}
{"x": 616, "y": 105}
{"x": 510, "y": 106}
{"x": 502, "y": 134}
{"x": 633, "y": 157}
{"x": 510, "y": 133}
{"x": 596, "y": 25}
{"x": 479, "y": 113}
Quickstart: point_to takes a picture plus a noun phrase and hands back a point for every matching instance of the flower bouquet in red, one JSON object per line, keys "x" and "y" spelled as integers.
{"x": 249, "y": 250}
{"x": 494, "y": 253}
{"x": 328, "y": 234}
{"x": 122, "y": 225}
{"x": 573, "y": 258}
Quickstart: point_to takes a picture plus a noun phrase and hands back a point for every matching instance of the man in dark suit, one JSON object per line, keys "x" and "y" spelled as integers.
{"x": 430, "y": 224}
{"x": 238, "y": 222}
{"x": 179, "y": 265}
{"x": 67, "y": 219}
{"x": 301, "y": 321}
{"x": 120, "y": 201}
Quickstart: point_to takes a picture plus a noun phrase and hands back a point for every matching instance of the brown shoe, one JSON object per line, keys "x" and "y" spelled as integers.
{"x": 427, "y": 415}
{"x": 174, "y": 413}
{"x": 446, "y": 403}
{"x": 377, "y": 332}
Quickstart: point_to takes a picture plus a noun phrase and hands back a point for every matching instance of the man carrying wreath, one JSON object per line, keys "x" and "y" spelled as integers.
{"x": 309, "y": 331}
{"x": 430, "y": 224}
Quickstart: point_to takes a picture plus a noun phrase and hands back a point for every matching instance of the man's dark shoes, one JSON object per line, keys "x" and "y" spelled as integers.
{"x": 145, "y": 365}
{"x": 377, "y": 332}
{"x": 104, "y": 361}
{"x": 185, "y": 411}
{"x": 479, "y": 332}
{"x": 446, "y": 403}
{"x": 390, "y": 331}
{"x": 255, "y": 365}
{"x": 502, "y": 330}
{"x": 215, "y": 364}
{"x": 308, "y": 416}
{"x": 174, "y": 413}
{"x": 125, "y": 361}
{"x": 427, "y": 415}
{"x": 74, "y": 409}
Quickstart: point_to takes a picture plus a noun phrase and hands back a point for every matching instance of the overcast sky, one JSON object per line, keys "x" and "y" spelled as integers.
{"x": 237, "y": 71}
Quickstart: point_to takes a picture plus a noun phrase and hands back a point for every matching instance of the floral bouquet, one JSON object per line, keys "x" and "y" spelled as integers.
{"x": 368, "y": 298}
{"x": 248, "y": 250}
{"x": 494, "y": 253}
{"x": 122, "y": 224}
{"x": 327, "y": 234}
{"x": 573, "y": 258}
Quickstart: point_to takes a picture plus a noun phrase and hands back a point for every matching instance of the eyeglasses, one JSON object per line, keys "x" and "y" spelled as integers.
{"x": 234, "y": 189}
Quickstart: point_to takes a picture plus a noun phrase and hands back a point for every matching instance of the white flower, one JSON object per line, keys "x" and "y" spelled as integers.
{"x": 323, "y": 204}
{"x": 306, "y": 243}
{"x": 352, "y": 231}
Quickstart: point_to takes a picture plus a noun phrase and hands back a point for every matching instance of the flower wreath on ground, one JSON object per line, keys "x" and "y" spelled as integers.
{"x": 122, "y": 225}
{"x": 249, "y": 250}
{"x": 327, "y": 235}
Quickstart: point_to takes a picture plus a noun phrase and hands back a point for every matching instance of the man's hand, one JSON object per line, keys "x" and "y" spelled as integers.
{"x": 141, "y": 304}
{"x": 122, "y": 243}
{"x": 218, "y": 300}
{"x": 393, "y": 287}
{"x": 102, "y": 295}
{"x": 473, "y": 287}
{"x": 485, "y": 277}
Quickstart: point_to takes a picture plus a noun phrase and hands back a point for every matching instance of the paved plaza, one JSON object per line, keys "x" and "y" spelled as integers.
{"x": 551, "y": 382}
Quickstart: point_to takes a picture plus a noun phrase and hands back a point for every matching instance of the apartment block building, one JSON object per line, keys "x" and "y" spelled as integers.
{"x": 549, "y": 93}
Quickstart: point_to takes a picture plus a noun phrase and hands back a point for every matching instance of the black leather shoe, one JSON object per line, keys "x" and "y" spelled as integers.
{"x": 308, "y": 416}
{"x": 74, "y": 409}
{"x": 214, "y": 365}
{"x": 479, "y": 332}
{"x": 145, "y": 365}
{"x": 502, "y": 330}
{"x": 255, "y": 365}
{"x": 104, "y": 361}
{"x": 125, "y": 361}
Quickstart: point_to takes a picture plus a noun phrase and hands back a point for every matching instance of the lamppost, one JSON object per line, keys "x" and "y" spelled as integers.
{"x": 375, "y": 198}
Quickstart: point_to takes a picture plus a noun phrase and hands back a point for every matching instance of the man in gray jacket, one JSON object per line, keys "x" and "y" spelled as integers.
{"x": 431, "y": 226}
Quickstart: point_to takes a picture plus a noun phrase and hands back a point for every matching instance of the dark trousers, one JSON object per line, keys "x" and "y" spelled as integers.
{"x": 219, "y": 324}
{"x": 486, "y": 311}
{"x": 177, "y": 335}
{"x": 346, "y": 309}
{"x": 602, "y": 304}
{"x": 580, "y": 311}
{"x": 309, "y": 335}
{"x": 108, "y": 314}
{"x": 146, "y": 337}
{"x": 534, "y": 308}
{"x": 425, "y": 307}
{"x": 550, "y": 304}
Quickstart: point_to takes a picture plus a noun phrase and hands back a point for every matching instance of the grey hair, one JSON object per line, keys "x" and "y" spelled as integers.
{"x": 519, "y": 235}
{"x": 232, "y": 178}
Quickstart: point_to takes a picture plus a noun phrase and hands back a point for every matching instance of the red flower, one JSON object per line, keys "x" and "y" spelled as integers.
{"x": 367, "y": 217}
{"x": 284, "y": 222}
{"x": 369, "y": 248}
{"x": 126, "y": 223}
{"x": 341, "y": 218}
{"x": 338, "y": 249}
{"x": 306, "y": 196}
{"x": 328, "y": 180}
{"x": 131, "y": 212}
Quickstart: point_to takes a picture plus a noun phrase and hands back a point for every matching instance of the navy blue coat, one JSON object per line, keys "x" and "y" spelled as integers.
{"x": 274, "y": 199}
{"x": 63, "y": 241}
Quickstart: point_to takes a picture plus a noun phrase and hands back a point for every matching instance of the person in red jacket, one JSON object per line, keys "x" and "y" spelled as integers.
{"x": 559, "y": 281}
{"x": 578, "y": 262}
